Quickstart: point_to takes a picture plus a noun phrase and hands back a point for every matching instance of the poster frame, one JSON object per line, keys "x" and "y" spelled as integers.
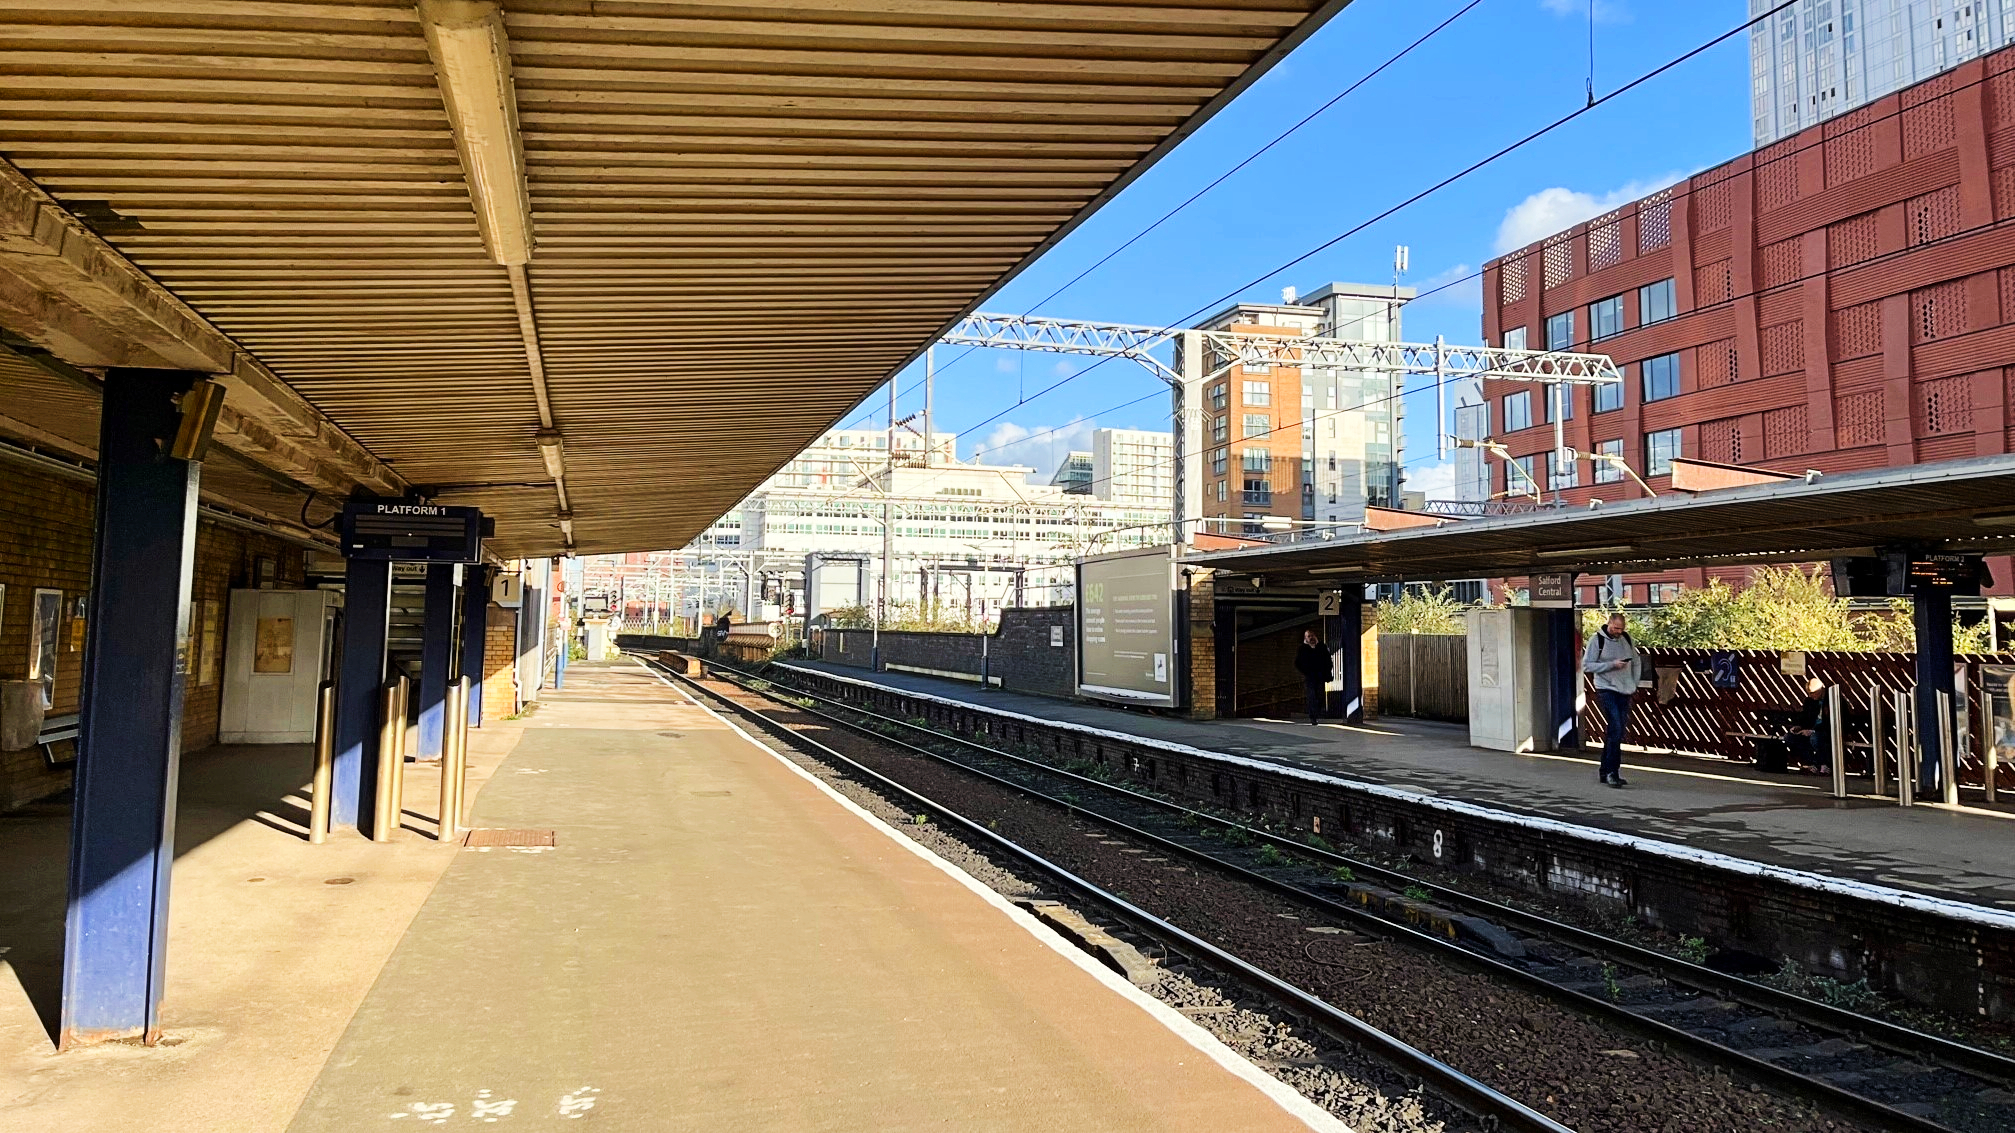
{"x": 1178, "y": 673}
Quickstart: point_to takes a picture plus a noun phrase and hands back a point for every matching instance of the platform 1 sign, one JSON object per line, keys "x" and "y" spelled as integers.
{"x": 1126, "y": 610}
{"x": 396, "y": 531}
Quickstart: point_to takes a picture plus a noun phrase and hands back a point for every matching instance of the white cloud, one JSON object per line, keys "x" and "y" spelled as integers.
{"x": 1041, "y": 447}
{"x": 1606, "y": 11}
{"x": 1436, "y": 481}
{"x": 1452, "y": 286}
{"x": 1553, "y": 210}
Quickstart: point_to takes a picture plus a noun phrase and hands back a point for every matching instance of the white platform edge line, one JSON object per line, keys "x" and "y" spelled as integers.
{"x": 1275, "y": 1090}
{"x": 1860, "y": 890}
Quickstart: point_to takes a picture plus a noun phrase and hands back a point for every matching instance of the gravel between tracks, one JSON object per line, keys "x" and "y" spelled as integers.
{"x": 1578, "y": 1071}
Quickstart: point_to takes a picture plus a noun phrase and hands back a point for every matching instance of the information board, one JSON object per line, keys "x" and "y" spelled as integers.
{"x": 1126, "y": 629}
{"x": 391, "y": 530}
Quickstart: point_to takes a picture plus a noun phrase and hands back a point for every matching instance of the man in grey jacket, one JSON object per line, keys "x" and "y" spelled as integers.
{"x": 1612, "y": 660}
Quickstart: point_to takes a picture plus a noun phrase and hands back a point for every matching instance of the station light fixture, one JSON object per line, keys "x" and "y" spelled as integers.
{"x": 1995, "y": 519}
{"x": 472, "y": 62}
{"x": 1338, "y": 570}
{"x": 1588, "y": 552}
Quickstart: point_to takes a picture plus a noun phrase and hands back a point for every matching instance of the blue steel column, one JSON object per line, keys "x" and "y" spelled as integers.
{"x": 1351, "y": 636}
{"x": 1931, "y": 611}
{"x": 1565, "y": 678}
{"x": 475, "y": 635}
{"x": 367, "y": 612}
{"x": 122, "y": 822}
{"x": 437, "y": 656}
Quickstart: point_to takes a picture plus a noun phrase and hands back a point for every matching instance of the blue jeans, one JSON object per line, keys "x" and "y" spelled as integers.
{"x": 1616, "y": 709}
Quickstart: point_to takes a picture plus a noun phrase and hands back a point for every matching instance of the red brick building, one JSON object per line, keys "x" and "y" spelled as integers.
{"x": 1841, "y": 299}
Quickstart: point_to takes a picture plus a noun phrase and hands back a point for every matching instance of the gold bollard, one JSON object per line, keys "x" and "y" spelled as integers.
{"x": 399, "y": 764}
{"x": 391, "y": 726}
{"x": 1948, "y": 759}
{"x": 462, "y": 755}
{"x": 325, "y": 765}
{"x": 445, "y": 824}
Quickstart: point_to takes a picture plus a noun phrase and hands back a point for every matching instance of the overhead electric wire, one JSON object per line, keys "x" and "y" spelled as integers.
{"x": 1223, "y": 177}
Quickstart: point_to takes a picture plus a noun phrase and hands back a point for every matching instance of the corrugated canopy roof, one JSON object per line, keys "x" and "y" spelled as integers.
{"x": 1964, "y": 505}
{"x": 746, "y": 215}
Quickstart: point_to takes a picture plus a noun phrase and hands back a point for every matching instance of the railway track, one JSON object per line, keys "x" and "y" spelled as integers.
{"x": 1495, "y": 1110}
{"x": 1874, "y": 1072}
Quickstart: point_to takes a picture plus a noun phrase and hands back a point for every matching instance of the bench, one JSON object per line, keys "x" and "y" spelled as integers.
{"x": 58, "y": 740}
{"x": 679, "y": 663}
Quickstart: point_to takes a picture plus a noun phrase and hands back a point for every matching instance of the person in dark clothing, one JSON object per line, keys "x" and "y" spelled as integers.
{"x": 1611, "y": 658}
{"x": 1808, "y": 740}
{"x": 1311, "y": 660}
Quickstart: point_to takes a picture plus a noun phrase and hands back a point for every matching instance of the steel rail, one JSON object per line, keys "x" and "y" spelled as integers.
{"x": 1825, "y": 1094}
{"x": 1459, "y": 1088}
{"x": 1889, "y": 1036}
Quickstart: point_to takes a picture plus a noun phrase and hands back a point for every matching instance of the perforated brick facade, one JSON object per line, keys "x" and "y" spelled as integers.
{"x": 1842, "y": 299}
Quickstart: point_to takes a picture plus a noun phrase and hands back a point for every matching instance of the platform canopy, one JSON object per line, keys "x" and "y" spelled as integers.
{"x": 1956, "y": 506}
{"x": 595, "y": 266}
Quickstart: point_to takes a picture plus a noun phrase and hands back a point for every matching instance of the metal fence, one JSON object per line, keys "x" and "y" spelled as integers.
{"x": 1424, "y": 675}
{"x": 1686, "y": 711}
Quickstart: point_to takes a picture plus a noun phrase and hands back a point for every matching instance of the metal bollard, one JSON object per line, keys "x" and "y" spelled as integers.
{"x": 1906, "y": 760}
{"x": 1837, "y": 738}
{"x": 319, "y": 792}
{"x": 399, "y": 767}
{"x": 462, "y": 759}
{"x": 445, "y": 823}
{"x": 1948, "y": 759}
{"x": 390, "y": 727}
{"x": 1989, "y": 751}
{"x": 1878, "y": 754}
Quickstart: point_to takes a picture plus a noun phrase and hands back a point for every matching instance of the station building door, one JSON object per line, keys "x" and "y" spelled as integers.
{"x": 1256, "y": 638}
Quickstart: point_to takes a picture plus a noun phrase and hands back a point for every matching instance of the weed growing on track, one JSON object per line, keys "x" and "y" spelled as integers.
{"x": 1610, "y": 986}
{"x": 1319, "y": 842}
{"x": 1343, "y": 873}
{"x": 1270, "y": 855}
{"x": 1693, "y": 949}
{"x": 1415, "y": 892}
{"x": 1238, "y": 836}
{"x": 1791, "y": 976}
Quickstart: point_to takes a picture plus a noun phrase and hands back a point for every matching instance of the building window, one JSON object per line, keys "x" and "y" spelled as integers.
{"x": 1566, "y": 402}
{"x": 1258, "y": 460}
{"x": 1560, "y": 331}
{"x": 1659, "y": 450}
{"x": 1661, "y": 377}
{"x": 1220, "y": 430}
{"x": 1258, "y": 393}
{"x": 1514, "y": 339}
{"x": 1523, "y": 480}
{"x": 1608, "y": 472}
{"x": 1258, "y": 490}
{"x": 1566, "y": 473}
{"x": 1218, "y": 395}
{"x": 1605, "y": 317}
{"x": 1217, "y": 462}
{"x": 1656, "y": 303}
{"x": 1257, "y": 425}
{"x": 1607, "y": 396}
{"x": 1517, "y": 411}
{"x": 1221, "y": 493}
{"x": 1665, "y": 593}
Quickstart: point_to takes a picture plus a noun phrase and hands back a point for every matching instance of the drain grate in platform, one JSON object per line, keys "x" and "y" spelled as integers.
{"x": 510, "y": 839}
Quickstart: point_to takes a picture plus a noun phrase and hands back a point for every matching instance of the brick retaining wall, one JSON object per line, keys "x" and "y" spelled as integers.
{"x": 1023, "y": 655}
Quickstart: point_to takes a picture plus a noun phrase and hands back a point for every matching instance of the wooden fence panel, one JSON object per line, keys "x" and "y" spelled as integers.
{"x": 1424, "y": 675}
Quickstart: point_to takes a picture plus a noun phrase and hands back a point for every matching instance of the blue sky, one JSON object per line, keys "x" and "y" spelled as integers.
{"x": 1493, "y": 76}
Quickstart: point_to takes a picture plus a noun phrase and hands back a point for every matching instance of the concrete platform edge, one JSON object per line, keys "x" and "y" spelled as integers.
{"x": 1276, "y": 1091}
{"x": 1860, "y": 890}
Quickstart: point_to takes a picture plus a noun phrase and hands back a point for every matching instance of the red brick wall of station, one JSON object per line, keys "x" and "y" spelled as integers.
{"x": 45, "y": 543}
{"x": 1845, "y": 298}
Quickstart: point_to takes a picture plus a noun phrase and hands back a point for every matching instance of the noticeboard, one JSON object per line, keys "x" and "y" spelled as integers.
{"x": 394, "y": 531}
{"x": 1126, "y": 628}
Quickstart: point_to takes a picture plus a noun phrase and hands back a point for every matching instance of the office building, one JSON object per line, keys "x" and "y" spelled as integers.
{"x": 1074, "y": 475}
{"x": 1133, "y": 467}
{"x": 1821, "y": 58}
{"x": 1843, "y": 299}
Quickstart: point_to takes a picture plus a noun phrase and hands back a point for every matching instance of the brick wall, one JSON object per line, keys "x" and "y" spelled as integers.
{"x": 500, "y": 656}
{"x": 1202, "y": 646}
{"x": 1919, "y": 955}
{"x": 45, "y": 543}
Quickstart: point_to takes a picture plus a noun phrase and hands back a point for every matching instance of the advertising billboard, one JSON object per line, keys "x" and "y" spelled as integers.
{"x": 1126, "y": 628}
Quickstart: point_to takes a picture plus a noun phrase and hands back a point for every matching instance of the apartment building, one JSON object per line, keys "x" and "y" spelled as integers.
{"x": 1133, "y": 467}
{"x": 1841, "y": 299}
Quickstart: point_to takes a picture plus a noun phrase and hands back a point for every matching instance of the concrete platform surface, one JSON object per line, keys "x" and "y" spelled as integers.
{"x": 272, "y": 944}
{"x": 1712, "y": 805}
{"x": 718, "y": 944}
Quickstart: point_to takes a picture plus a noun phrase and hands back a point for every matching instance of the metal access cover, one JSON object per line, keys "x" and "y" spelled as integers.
{"x": 509, "y": 839}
